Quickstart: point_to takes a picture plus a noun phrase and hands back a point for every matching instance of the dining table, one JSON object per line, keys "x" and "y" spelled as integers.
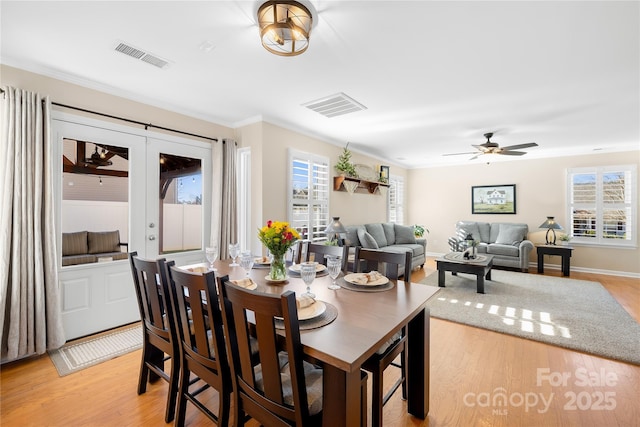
{"x": 366, "y": 319}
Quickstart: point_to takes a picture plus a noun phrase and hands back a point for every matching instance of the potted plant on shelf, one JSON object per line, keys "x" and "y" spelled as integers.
{"x": 344, "y": 165}
{"x": 419, "y": 230}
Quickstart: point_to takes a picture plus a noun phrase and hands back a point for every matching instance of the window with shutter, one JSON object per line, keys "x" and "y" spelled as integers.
{"x": 309, "y": 194}
{"x": 602, "y": 205}
{"x": 396, "y": 199}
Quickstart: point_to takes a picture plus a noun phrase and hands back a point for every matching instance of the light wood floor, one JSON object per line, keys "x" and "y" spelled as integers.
{"x": 469, "y": 366}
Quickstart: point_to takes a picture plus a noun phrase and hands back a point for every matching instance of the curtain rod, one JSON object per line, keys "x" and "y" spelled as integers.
{"x": 146, "y": 125}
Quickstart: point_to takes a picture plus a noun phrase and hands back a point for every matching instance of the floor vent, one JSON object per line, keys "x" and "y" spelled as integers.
{"x": 142, "y": 55}
{"x": 335, "y": 105}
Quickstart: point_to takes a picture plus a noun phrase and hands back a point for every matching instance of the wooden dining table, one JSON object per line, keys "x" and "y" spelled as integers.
{"x": 365, "y": 321}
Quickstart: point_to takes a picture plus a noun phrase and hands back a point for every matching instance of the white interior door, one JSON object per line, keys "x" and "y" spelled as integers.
{"x": 97, "y": 296}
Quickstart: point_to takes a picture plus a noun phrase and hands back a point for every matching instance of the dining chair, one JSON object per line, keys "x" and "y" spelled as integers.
{"x": 373, "y": 260}
{"x": 160, "y": 343}
{"x": 282, "y": 389}
{"x": 321, "y": 251}
{"x": 195, "y": 303}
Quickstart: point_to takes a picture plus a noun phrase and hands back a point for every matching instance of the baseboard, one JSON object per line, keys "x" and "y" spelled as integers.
{"x": 534, "y": 265}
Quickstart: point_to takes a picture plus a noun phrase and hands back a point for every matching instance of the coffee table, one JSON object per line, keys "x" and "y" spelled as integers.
{"x": 455, "y": 263}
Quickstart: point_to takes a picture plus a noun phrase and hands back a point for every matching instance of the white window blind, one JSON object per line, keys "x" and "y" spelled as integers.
{"x": 396, "y": 199}
{"x": 602, "y": 205}
{"x": 309, "y": 194}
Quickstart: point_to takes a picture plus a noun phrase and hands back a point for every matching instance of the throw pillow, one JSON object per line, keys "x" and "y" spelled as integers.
{"x": 404, "y": 234}
{"x": 74, "y": 243}
{"x": 366, "y": 240}
{"x": 103, "y": 241}
{"x": 389, "y": 232}
{"x": 377, "y": 232}
{"x": 511, "y": 234}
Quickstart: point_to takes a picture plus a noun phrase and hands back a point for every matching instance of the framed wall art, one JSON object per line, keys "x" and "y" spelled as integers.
{"x": 493, "y": 199}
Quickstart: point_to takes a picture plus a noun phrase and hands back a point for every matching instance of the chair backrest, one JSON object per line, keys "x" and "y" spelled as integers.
{"x": 375, "y": 260}
{"x": 297, "y": 251}
{"x": 195, "y": 301}
{"x": 153, "y": 299}
{"x": 263, "y": 391}
{"x": 320, "y": 251}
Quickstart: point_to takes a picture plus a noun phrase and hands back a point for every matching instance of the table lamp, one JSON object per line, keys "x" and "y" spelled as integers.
{"x": 551, "y": 225}
{"x": 334, "y": 229}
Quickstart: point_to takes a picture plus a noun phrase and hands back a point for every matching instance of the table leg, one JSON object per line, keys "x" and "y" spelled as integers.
{"x": 341, "y": 395}
{"x": 418, "y": 365}
{"x": 540, "y": 263}
{"x": 488, "y": 275}
{"x": 565, "y": 265}
{"x": 441, "y": 278}
{"x": 480, "y": 282}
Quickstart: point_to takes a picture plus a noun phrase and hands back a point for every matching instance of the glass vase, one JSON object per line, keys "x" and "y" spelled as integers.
{"x": 278, "y": 269}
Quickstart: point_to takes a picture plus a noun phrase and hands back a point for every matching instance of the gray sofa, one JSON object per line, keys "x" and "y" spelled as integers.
{"x": 388, "y": 237}
{"x": 507, "y": 242}
{"x": 85, "y": 247}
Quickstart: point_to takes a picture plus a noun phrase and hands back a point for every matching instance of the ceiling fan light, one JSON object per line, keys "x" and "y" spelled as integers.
{"x": 285, "y": 27}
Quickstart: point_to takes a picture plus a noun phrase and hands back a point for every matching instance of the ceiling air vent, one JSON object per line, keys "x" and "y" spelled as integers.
{"x": 142, "y": 55}
{"x": 335, "y": 105}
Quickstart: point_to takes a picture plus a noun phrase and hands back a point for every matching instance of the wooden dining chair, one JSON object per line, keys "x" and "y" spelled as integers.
{"x": 319, "y": 252}
{"x": 282, "y": 389}
{"x": 368, "y": 260}
{"x": 160, "y": 343}
{"x": 198, "y": 318}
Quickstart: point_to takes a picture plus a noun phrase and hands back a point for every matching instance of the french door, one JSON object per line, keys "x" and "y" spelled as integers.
{"x": 136, "y": 195}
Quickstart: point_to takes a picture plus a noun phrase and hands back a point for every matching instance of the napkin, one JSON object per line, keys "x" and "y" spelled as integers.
{"x": 304, "y": 301}
{"x": 244, "y": 283}
{"x": 198, "y": 269}
{"x": 364, "y": 278}
{"x": 262, "y": 260}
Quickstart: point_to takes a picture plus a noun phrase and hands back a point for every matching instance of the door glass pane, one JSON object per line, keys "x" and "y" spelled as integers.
{"x": 180, "y": 197}
{"x": 95, "y": 202}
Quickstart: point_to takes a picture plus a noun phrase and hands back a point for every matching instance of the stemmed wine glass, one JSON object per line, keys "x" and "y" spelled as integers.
{"x": 246, "y": 261}
{"x": 308, "y": 274}
{"x": 211, "y": 253}
{"x": 334, "y": 265}
{"x": 234, "y": 249}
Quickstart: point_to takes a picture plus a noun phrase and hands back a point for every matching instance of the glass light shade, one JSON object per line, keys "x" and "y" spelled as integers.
{"x": 285, "y": 27}
{"x": 335, "y": 226}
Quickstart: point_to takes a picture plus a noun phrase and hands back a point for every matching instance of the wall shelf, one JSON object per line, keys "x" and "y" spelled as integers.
{"x": 357, "y": 185}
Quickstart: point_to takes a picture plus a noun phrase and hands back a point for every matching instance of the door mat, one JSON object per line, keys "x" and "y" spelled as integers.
{"x": 75, "y": 356}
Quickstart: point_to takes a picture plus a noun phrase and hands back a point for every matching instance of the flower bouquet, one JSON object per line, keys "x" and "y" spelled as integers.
{"x": 278, "y": 237}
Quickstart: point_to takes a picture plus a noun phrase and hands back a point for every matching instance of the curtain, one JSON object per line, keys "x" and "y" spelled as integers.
{"x": 29, "y": 295}
{"x": 224, "y": 215}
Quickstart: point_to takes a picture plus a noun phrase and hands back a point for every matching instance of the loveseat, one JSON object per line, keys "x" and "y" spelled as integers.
{"x": 84, "y": 247}
{"x": 507, "y": 242}
{"x": 387, "y": 237}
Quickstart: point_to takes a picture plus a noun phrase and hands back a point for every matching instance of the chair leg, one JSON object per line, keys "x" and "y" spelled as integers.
{"x": 144, "y": 370}
{"x": 377, "y": 395}
{"x": 224, "y": 409}
{"x": 173, "y": 390}
{"x": 403, "y": 373}
{"x": 363, "y": 399}
{"x": 181, "y": 405}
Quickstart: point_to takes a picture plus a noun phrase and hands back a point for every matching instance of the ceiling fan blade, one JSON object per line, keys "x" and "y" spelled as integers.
{"x": 457, "y": 154}
{"x": 476, "y": 156}
{"x": 520, "y": 146}
{"x": 512, "y": 153}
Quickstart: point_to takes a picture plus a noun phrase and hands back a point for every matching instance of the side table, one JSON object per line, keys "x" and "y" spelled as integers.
{"x": 563, "y": 251}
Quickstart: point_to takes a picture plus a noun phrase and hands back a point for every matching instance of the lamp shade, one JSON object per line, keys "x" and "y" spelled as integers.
{"x": 285, "y": 27}
{"x": 335, "y": 226}
{"x": 551, "y": 225}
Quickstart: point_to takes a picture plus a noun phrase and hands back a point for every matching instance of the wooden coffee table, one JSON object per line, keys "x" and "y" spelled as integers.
{"x": 455, "y": 263}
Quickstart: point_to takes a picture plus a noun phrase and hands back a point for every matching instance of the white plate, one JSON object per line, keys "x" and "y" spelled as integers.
{"x": 319, "y": 267}
{"x": 350, "y": 277}
{"x": 312, "y": 311}
{"x": 274, "y": 281}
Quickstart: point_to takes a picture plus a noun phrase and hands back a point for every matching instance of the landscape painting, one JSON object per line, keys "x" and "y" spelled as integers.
{"x": 493, "y": 199}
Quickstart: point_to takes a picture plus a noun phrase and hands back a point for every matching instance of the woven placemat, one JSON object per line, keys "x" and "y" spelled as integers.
{"x": 329, "y": 315}
{"x": 350, "y": 286}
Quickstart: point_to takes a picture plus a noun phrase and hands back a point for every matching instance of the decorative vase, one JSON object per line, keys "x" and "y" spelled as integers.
{"x": 278, "y": 269}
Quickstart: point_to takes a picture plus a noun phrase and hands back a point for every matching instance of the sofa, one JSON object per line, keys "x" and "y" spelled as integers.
{"x": 507, "y": 242}
{"x": 84, "y": 247}
{"x": 387, "y": 237}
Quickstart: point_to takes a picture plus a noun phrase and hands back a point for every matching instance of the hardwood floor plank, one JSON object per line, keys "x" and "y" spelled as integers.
{"x": 467, "y": 365}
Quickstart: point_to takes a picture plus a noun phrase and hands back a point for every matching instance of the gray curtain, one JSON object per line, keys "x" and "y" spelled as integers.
{"x": 29, "y": 295}
{"x": 224, "y": 218}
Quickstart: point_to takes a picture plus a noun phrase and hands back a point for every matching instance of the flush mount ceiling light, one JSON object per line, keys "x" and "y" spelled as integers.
{"x": 285, "y": 27}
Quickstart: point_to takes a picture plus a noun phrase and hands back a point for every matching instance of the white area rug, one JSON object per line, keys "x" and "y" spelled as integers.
{"x": 576, "y": 314}
{"x": 75, "y": 356}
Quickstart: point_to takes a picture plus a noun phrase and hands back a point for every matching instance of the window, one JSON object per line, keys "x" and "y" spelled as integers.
{"x": 603, "y": 205}
{"x": 244, "y": 197}
{"x": 396, "y": 199}
{"x": 309, "y": 194}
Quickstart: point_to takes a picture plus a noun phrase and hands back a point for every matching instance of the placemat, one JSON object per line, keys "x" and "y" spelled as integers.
{"x": 329, "y": 315}
{"x": 350, "y": 286}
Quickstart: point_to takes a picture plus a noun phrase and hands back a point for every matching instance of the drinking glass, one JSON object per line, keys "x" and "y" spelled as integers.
{"x": 246, "y": 261}
{"x": 334, "y": 266}
{"x": 234, "y": 250}
{"x": 211, "y": 253}
{"x": 308, "y": 274}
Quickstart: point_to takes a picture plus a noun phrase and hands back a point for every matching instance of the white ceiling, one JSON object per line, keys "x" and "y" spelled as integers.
{"x": 434, "y": 75}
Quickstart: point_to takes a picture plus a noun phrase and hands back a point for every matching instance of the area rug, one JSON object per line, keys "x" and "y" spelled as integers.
{"x": 575, "y": 314}
{"x": 75, "y": 356}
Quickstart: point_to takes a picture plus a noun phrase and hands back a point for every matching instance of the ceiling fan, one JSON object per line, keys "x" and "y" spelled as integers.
{"x": 493, "y": 148}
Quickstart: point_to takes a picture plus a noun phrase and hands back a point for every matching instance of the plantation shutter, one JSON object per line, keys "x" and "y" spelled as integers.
{"x": 396, "y": 200}
{"x": 309, "y": 201}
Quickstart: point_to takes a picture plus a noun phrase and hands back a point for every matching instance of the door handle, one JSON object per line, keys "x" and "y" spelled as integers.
{"x": 152, "y": 237}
